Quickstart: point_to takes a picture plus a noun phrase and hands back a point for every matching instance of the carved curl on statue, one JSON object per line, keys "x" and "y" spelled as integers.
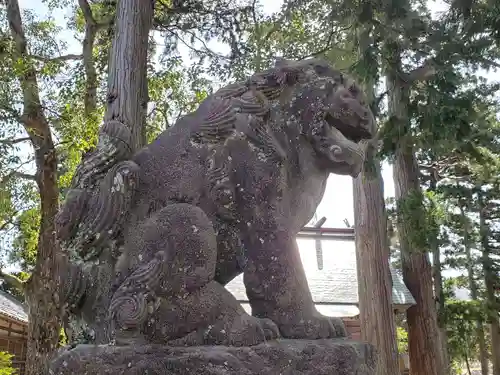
{"x": 223, "y": 192}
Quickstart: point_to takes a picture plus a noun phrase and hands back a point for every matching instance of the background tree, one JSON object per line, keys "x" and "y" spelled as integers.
{"x": 42, "y": 288}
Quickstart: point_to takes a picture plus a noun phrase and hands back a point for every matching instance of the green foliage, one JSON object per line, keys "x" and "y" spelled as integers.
{"x": 461, "y": 328}
{"x": 26, "y": 243}
{"x": 409, "y": 211}
{"x": 402, "y": 339}
{"x": 63, "y": 339}
{"x": 174, "y": 91}
{"x": 6, "y": 364}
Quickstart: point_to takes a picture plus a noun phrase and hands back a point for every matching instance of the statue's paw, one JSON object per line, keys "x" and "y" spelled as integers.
{"x": 271, "y": 330}
{"x": 315, "y": 326}
{"x": 243, "y": 330}
{"x": 248, "y": 330}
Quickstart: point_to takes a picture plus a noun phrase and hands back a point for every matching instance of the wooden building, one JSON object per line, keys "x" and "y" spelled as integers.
{"x": 13, "y": 329}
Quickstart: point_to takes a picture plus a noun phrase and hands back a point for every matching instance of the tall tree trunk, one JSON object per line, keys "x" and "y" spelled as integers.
{"x": 127, "y": 101}
{"x": 127, "y": 82}
{"x": 483, "y": 352}
{"x": 438, "y": 286}
{"x": 439, "y": 296}
{"x": 466, "y": 359}
{"x": 424, "y": 343}
{"x": 91, "y": 29}
{"x": 423, "y": 331}
{"x": 374, "y": 278}
{"x": 495, "y": 343}
{"x": 372, "y": 250}
{"x": 43, "y": 287}
{"x": 489, "y": 283}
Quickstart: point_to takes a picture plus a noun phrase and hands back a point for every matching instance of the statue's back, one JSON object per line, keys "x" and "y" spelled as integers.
{"x": 172, "y": 166}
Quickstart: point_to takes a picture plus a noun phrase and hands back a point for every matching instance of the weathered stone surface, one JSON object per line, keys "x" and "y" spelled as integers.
{"x": 153, "y": 236}
{"x": 283, "y": 357}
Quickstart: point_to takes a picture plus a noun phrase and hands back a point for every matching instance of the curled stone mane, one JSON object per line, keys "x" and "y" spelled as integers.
{"x": 242, "y": 110}
{"x": 243, "y": 107}
{"x": 101, "y": 190}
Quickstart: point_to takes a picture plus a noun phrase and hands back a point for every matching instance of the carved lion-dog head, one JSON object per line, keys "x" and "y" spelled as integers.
{"x": 332, "y": 112}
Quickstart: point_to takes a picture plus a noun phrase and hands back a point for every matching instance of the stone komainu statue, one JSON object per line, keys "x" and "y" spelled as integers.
{"x": 223, "y": 192}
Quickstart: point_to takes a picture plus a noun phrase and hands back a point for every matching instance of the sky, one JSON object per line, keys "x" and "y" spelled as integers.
{"x": 337, "y": 204}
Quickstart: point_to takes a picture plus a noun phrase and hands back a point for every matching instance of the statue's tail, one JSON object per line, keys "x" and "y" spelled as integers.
{"x": 101, "y": 194}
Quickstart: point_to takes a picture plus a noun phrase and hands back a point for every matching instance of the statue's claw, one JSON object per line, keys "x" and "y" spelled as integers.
{"x": 270, "y": 328}
{"x": 248, "y": 330}
{"x": 314, "y": 327}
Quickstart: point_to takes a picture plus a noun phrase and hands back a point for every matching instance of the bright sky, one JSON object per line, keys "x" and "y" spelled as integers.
{"x": 337, "y": 203}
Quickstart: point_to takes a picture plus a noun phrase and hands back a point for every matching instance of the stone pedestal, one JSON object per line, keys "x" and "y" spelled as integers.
{"x": 282, "y": 357}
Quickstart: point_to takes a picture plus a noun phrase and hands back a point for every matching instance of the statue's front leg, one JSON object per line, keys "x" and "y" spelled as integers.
{"x": 277, "y": 287}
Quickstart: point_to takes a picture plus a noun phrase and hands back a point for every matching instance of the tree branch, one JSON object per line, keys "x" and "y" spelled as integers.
{"x": 62, "y": 58}
{"x": 32, "y": 117}
{"x": 489, "y": 62}
{"x": 91, "y": 28}
{"x": 16, "y": 174}
{"x": 25, "y": 176}
{"x": 422, "y": 73}
{"x": 375, "y": 105}
{"x": 13, "y": 280}
{"x": 10, "y": 142}
{"x": 206, "y": 50}
{"x": 87, "y": 12}
{"x": 11, "y": 221}
{"x": 328, "y": 45}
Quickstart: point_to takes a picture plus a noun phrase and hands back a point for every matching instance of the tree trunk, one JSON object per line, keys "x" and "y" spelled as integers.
{"x": 372, "y": 251}
{"x": 489, "y": 283}
{"x": 374, "y": 278}
{"x": 423, "y": 332}
{"x": 91, "y": 29}
{"x": 127, "y": 82}
{"x": 127, "y": 102}
{"x": 466, "y": 359}
{"x": 42, "y": 290}
{"x": 439, "y": 296}
{"x": 483, "y": 352}
{"x": 438, "y": 288}
{"x": 495, "y": 344}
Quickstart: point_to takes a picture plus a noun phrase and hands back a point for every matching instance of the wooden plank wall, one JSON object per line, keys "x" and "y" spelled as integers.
{"x": 353, "y": 327}
{"x": 13, "y": 339}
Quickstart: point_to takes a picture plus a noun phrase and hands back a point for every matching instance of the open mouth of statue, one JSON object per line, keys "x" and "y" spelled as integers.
{"x": 340, "y": 143}
{"x": 354, "y": 134}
